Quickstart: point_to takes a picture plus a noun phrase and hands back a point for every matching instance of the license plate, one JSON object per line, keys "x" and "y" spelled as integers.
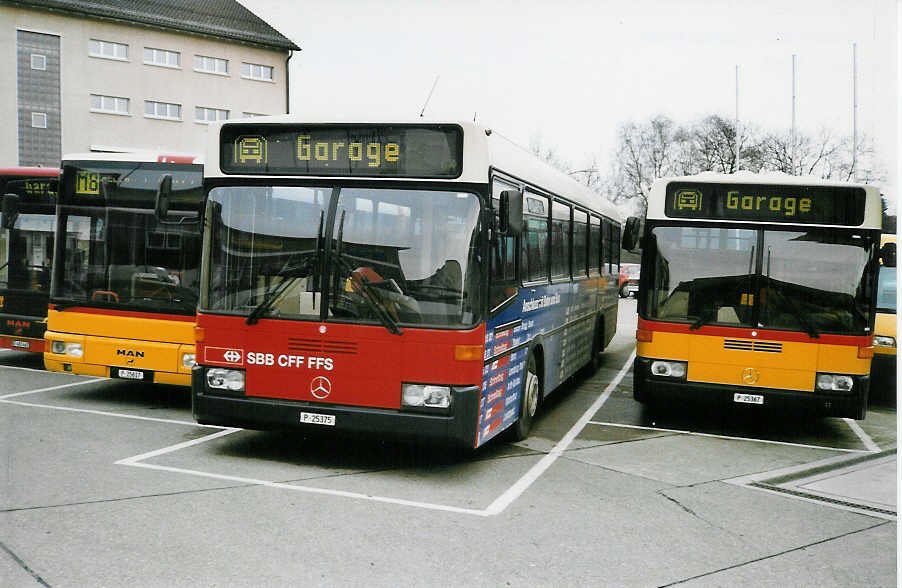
{"x": 313, "y": 418}
{"x": 748, "y": 398}
{"x": 130, "y": 374}
{"x": 21, "y": 344}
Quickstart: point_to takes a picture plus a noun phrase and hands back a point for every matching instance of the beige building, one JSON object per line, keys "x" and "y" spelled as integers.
{"x": 121, "y": 75}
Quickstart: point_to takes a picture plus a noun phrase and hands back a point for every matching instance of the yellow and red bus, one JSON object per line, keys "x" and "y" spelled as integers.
{"x": 883, "y": 370}
{"x": 26, "y": 246}
{"x": 757, "y": 289}
{"x": 406, "y": 278}
{"x": 125, "y": 275}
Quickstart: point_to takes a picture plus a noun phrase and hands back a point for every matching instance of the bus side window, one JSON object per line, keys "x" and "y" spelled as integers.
{"x": 580, "y": 243}
{"x": 607, "y": 246}
{"x": 595, "y": 254}
{"x": 534, "y": 241}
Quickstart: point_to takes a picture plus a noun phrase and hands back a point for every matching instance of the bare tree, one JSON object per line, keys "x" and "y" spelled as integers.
{"x": 548, "y": 154}
{"x": 661, "y": 147}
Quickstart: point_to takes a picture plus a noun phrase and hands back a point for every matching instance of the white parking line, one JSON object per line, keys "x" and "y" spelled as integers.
{"x": 731, "y": 438}
{"x": 39, "y": 390}
{"x": 496, "y": 507}
{"x": 514, "y": 492}
{"x": 110, "y": 414}
{"x": 865, "y": 438}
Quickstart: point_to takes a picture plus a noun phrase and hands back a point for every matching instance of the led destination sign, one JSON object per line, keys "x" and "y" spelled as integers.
{"x": 422, "y": 151}
{"x": 823, "y": 205}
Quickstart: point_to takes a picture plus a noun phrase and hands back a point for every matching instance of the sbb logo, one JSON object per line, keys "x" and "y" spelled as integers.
{"x": 254, "y": 358}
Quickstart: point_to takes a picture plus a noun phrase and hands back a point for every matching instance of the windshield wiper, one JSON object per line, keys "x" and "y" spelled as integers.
{"x": 289, "y": 274}
{"x": 797, "y": 312}
{"x": 368, "y": 293}
{"x": 697, "y": 323}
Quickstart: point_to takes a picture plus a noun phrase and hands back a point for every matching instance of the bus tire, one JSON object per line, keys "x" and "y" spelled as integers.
{"x": 640, "y": 394}
{"x": 624, "y": 293}
{"x": 530, "y": 395}
{"x": 597, "y": 349}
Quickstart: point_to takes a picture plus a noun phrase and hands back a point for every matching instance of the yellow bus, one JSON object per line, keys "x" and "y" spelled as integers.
{"x": 883, "y": 371}
{"x": 126, "y": 268}
{"x": 757, "y": 290}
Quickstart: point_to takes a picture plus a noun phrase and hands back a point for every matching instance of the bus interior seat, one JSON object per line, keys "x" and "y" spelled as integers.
{"x": 675, "y": 306}
{"x": 727, "y": 314}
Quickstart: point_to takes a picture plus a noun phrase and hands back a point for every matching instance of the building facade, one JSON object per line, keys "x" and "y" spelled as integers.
{"x": 127, "y": 75}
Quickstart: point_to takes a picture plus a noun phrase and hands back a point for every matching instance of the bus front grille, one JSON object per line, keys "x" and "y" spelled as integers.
{"x": 745, "y": 345}
{"x": 322, "y": 346}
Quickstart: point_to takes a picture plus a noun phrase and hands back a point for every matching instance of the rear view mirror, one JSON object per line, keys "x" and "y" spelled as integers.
{"x": 888, "y": 254}
{"x": 510, "y": 212}
{"x": 632, "y": 234}
{"x": 164, "y": 192}
{"x": 10, "y": 211}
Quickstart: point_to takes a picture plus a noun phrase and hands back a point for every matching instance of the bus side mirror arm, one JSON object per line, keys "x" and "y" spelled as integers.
{"x": 164, "y": 192}
{"x": 10, "y": 211}
{"x": 632, "y": 234}
{"x": 161, "y": 206}
{"x": 510, "y": 213}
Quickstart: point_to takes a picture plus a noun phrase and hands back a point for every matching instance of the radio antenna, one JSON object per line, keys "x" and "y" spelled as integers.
{"x": 434, "y": 82}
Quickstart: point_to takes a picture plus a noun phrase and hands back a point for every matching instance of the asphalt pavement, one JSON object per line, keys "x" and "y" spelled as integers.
{"x": 108, "y": 483}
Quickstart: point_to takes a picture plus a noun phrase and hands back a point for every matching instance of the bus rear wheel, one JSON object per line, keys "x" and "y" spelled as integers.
{"x": 530, "y": 395}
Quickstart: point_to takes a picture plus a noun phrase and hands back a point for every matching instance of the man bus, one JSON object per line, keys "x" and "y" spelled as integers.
{"x": 26, "y": 246}
{"x": 758, "y": 290}
{"x": 407, "y": 278}
{"x": 125, "y": 277}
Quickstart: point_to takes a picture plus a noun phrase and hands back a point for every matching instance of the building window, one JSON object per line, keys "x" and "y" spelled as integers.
{"x": 162, "y": 57}
{"x": 109, "y": 104}
{"x": 166, "y": 110}
{"x": 203, "y": 114}
{"x": 213, "y": 65}
{"x": 39, "y": 120}
{"x": 108, "y": 49}
{"x": 38, "y": 61}
{"x": 255, "y": 71}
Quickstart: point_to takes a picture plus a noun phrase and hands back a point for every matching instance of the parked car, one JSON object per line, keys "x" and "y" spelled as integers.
{"x": 628, "y": 283}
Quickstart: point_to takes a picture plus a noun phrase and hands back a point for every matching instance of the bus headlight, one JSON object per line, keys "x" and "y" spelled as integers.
{"x": 668, "y": 369}
{"x": 425, "y": 396}
{"x": 884, "y": 341}
{"x": 188, "y": 360}
{"x": 222, "y": 379}
{"x": 61, "y": 347}
{"x": 835, "y": 382}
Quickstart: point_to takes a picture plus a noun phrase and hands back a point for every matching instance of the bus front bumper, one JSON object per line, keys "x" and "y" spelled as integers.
{"x": 847, "y": 405}
{"x": 223, "y": 409}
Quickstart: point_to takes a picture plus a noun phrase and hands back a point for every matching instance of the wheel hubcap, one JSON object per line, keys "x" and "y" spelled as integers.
{"x": 532, "y": 393}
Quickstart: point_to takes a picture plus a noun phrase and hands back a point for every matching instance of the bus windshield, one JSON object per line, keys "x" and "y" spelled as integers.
{"x": 394, "y": 257}
{"x": 801, "y": 280}
{"x": 25, "y": 252}
{"x": 125, "y": 258}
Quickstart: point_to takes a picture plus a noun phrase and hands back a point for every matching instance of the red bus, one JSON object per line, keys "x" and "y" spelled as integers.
{"x": 413, "y": 279}
{"x": 26, "y": 248}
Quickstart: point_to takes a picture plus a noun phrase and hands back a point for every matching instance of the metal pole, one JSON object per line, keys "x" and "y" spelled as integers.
{"x": 854, "y": 111}
{"x": 792, "y": 132}
{"x": 736, "y": 122}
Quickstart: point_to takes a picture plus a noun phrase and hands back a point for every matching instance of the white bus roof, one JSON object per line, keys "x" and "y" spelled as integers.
{"x": 136, "y": 156}
{"x": 657, "y": 194}
{"x": 483, "y": 148}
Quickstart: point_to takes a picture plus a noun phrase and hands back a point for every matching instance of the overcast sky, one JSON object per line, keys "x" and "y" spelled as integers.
{"x": 570, "y": 72}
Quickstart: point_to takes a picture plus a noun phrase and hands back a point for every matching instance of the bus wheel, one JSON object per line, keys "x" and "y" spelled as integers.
{"x": 624, "y": 293}
{"x": 597, "y": 349}
{"x": 529, "y": 400}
